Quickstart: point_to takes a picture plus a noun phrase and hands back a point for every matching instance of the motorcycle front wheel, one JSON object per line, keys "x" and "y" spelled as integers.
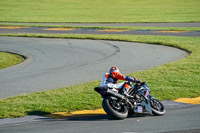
{"x": 157, "y": 107}
{"x": 114, "y": 108}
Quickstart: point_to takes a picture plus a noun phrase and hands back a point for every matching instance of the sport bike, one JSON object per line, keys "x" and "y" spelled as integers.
{"x": 138, "y": 100}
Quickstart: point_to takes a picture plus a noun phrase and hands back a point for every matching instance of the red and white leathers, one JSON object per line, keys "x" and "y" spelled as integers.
{"x": 110, "y": 80}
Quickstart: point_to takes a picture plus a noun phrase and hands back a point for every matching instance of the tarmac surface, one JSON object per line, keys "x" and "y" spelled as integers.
{"x": 45, "y": 30}
{"x": 54, "y": 63}
{"x": 179, "y": 118}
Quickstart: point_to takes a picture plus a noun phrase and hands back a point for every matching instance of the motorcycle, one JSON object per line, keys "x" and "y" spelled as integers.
{"x": 138, "y": 100}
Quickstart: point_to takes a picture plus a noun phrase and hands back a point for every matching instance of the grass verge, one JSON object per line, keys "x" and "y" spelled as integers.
{"x": 8, "y": 59}
{"x": 167, "y": 82}
{"x": 107, "y": 11}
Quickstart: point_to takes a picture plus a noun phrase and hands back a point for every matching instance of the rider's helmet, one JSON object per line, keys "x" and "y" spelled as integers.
{"x": 114, "y": 69}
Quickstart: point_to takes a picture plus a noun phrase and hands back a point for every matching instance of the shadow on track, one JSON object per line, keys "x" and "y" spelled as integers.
{"x": 37, "y": 113}
{"x": 78, "y": 117}
{"x": 88, "y": 117}
{"x": 103, "y": 117}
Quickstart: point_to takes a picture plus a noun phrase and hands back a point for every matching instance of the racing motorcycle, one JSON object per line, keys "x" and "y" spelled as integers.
{"x": 138, "y": 100}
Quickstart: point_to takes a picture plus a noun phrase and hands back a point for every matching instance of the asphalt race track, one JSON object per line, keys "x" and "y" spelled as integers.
{"x": 45, "y": 30}
{"x": 53, "y": 63}
{"x": 180, "y": 118}
{"x": 53, "y": 30}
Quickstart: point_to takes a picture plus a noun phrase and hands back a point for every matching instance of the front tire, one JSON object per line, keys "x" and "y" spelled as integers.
{"x": 114, "y": 109}
{"x": 157, "y": 107}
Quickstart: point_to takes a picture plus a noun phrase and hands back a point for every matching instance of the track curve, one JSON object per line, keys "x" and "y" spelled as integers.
{"x": 53, "y": 63}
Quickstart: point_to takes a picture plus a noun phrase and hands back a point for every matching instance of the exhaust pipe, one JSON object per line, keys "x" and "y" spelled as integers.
{"x": 115, "y": 94}
{"x": 107, "y": 91}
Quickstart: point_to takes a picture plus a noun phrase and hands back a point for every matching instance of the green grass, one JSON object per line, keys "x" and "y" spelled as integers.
{"x": 167, "y": 82}
{"x": 100, "y": 11}
{"x": 104, "y": 27}
{"x": 8, "y": 59}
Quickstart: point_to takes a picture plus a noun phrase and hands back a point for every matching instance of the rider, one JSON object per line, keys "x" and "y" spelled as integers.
{"x": 110, "y": 80}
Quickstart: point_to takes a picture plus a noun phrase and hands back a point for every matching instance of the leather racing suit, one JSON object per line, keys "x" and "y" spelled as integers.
{"x": 110, "y": 80}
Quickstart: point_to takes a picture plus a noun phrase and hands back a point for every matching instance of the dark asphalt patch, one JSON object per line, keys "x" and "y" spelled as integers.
{"x": 96, "y": 31}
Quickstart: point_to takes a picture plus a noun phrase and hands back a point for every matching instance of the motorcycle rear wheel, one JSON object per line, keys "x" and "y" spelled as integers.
{"x": 157, "y": 107}
{"x": 114, "y": 109}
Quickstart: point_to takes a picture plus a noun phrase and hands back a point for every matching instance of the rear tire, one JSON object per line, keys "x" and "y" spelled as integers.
{"x": 157, "y": 107}
{"x": 115, "y": 112}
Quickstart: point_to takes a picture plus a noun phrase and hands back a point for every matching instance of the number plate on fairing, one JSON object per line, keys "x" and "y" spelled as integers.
{"x": 139, "y": 109}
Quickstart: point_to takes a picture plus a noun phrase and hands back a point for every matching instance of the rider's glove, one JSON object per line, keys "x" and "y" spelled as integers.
{"x": 128, "y": 78}
{"x": 137, "y": 80}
